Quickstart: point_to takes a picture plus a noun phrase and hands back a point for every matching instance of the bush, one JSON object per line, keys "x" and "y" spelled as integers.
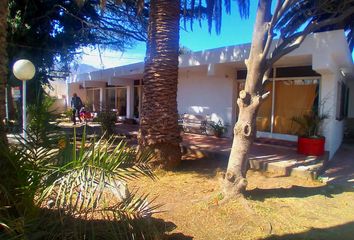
{"x": 107, "y": 119}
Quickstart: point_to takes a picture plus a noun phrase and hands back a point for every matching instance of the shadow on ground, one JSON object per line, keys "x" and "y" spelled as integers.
{"x": 296, "y": 192}
{"x": 55, "y": 225}
{"x": 340, "y": 232}
{"x": 207, "y": 167}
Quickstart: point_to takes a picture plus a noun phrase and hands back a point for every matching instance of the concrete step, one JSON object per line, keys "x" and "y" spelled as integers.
{"x": 308, "y": 172}
{"x": 308, "y": 167}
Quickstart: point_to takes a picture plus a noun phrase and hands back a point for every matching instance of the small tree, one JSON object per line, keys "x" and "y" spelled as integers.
{"x": 291, "y": 21}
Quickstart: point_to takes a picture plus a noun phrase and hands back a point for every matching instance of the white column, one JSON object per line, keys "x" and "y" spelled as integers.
{"x": 101, "y": 99}
{"x": 130, "y": 100}
{"x": 24, "y": 118}
{"x": 332, "y": 128}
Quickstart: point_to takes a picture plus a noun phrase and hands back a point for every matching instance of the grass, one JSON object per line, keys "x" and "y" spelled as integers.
{"x": 274, "y": 208}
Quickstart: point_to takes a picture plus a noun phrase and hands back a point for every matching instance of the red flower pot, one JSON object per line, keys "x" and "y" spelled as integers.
{"x": 311, "y": 146}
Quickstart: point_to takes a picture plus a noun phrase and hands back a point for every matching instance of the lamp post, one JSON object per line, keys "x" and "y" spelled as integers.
{"x": 24, "y": 70}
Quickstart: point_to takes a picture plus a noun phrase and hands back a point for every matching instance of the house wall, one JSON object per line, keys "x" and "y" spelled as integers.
{"x": 207, "y": 79}
{"x": 58, "y": 92}
{"x": 329, "y": 57}
{"x": 75, "y": 88}
{"x": 210, "y": 95}
{"x": 333, "y": 129}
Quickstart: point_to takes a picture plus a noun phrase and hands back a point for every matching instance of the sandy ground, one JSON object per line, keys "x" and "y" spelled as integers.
{"x": 275, "y": 207}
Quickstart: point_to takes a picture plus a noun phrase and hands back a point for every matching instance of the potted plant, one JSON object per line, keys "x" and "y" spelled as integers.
{"x": 218, "y": 128}
{"x": 310, "y": 140}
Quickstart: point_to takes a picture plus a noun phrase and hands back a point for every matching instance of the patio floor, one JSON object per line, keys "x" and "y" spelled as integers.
{"x": 277, "y": 156}
{"x": 266, "y": 154}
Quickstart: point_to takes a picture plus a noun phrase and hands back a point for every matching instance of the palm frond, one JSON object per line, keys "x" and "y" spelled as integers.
{"x": 94, "y": 170}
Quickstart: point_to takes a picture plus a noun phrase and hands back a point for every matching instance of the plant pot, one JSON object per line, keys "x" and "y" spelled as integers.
{"x": 311, "y": 146}
{"x": 218, "y": 134}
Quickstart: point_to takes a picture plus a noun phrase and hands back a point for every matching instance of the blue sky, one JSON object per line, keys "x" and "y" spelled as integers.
{"x": 234, "y": 31}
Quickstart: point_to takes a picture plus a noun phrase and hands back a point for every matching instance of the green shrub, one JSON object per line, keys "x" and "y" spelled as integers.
{"x": 218, "y": 128}
{"x": 107, "y": 120}
{"x": 75, "y": 191}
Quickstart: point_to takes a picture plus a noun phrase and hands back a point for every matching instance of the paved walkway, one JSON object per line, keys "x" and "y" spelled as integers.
{"x": 265, "y": 155}
{"x": 340, "y": 169}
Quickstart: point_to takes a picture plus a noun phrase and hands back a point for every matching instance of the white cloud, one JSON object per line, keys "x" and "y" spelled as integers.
{"x": 110, "y": 58}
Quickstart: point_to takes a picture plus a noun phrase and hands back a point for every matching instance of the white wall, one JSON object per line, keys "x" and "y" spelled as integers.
{"x": 333, "y": 130}
{"x": 75, "y": 88}
{"x": 206, "y": 95}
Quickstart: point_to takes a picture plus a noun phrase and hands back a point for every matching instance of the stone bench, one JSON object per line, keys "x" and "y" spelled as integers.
{"x": 192, "y": 123}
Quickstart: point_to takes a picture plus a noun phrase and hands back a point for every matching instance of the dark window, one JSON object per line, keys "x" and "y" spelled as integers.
{"x": 342, "y": 97}
{"x": 242, "y": 74}
{"x": 305, "y": 71}
{"x": 137, "y": 82}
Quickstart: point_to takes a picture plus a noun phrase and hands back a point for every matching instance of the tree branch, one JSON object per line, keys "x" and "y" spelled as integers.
{"x": 296, "y": 39}
{"x": 279, "y": 10}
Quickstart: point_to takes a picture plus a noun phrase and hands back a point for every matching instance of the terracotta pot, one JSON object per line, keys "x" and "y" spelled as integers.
{"x": 311, "y": 146}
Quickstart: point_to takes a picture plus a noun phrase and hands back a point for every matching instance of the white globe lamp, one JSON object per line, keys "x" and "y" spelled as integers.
{"x": 24, "y": 70}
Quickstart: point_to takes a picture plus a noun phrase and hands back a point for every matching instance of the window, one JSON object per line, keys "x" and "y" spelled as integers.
{"x": 110, "y": 98}
{"x": 342, "y": 101}
{"x": 121, "y": 101}
{"x": 295, "y": 93}
{"x": 293, "y": 98}
{"x": 93, "y": 99}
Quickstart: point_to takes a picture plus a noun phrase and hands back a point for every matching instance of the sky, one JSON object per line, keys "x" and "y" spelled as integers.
{"x": 234, "y": 31}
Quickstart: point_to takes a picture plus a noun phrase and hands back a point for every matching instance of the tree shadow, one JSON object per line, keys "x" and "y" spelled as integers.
{"x": 177, "y": 236}
{"x": 342, "y": 232}
{"x": 206, "y": 167}
{"x": 296, "y": 192}
{"x": 52, "y": 224}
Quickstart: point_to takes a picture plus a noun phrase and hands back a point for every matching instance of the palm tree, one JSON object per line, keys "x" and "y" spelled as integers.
{"x": 3, "y": 66}
{"x": 5, "y": 168}
{"x": 159, "y": 116}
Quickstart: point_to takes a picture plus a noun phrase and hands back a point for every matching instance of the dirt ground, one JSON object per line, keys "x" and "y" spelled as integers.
{"x": 275, "y": 207}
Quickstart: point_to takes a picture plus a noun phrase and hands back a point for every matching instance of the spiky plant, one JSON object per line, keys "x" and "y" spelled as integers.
{"x": 310, "y": 124}
{"x": 78, "y": 191}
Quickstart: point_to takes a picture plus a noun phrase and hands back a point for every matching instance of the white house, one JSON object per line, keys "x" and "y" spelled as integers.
{"x": 315, "y": 76}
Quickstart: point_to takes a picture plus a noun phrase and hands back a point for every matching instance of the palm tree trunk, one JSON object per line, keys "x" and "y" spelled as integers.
{"x": 249, "y": 100}
{"x": 6, "y": 171}
{"x": 3, "y": 66}
{"x": 159, "y": 116}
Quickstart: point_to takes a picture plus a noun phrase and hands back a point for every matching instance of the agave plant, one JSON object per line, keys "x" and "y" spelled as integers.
{"x": 78, "y": 191}
{"x": 310, "y": 124}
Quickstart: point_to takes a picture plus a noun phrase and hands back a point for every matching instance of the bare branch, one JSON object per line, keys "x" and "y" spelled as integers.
{"x": 296, "y": 39}
{"x": 279, "y": 10}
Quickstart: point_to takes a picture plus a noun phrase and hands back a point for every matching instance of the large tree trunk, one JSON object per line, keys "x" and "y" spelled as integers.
{"x": 6, "y": 171}
{"x": 3, "y": 66}
{"x": 248, "y": 102}
{"x": 159, "y": 116}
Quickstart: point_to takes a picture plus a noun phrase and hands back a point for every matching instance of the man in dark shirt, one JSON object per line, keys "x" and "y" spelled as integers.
{"x": 76, "y": 105}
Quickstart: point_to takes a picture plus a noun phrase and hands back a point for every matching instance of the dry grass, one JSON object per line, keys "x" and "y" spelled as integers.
{"x": 275, "y": 207}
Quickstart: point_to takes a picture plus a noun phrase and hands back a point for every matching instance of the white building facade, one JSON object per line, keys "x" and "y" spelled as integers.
{"x": 317, "y": 76}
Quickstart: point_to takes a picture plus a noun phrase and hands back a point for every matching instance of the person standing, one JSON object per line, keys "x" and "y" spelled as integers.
{"x": 76, "y": 105}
